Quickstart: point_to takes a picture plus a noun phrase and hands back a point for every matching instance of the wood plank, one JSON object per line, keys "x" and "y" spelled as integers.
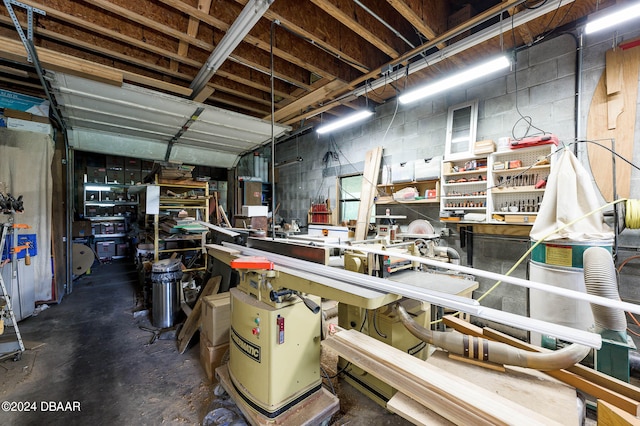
{"x": 192, "y": 30}
{"x": 308, "y": 99}
{"x": 601, "y": 379}
{"x": 194, "y": 320}
{"x": 468, "y": 396}
{"x": 415, "y": 412}
{"x": 610, "y": 415}
{"x": 600, "y": 159}
{"x": 372, "y": 161}
{"x": 359, "y": 29}
{"x": 478, "y": 363}
{"x": 614, "y": 75}
{"x": 15, "y": 51}
{"x": 114, "y": 35}
{"x": 462, "y": 326}
{"x": 403, "y": 8}
{"x": 425, "y": 396}
{"x": 529, "y": 388}
{"x": 205, "y": 93}
{"x": 150, "y": 23}
{"x": 599, "y": 390}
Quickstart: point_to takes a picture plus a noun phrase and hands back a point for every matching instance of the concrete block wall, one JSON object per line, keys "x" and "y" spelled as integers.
{"x": 541, "y": 86}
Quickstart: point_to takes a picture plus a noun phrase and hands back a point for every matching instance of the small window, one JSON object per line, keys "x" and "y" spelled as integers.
{"x": 462, "y": 122}
{"x": 350, "y": 187}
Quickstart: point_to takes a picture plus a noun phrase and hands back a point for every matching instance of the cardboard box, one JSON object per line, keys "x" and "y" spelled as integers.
{"x": 29, "y": 126}
{"x": 132, "y": 164}
{"x": 104, "y": 211}
{"x": 132, "y": 177}
{"x": 81, "y": 229}
{"x": 252, "y": 193}
{"x": 105, "y": 249}
{"x": 107, "y": 228}
{"x": 211, "y": 357}
{"x": 20, "y": 102}
{"x": 120, "y": 210}
{"x": 216, "y": 318}
{"x": 251, "y": 211}
{"x": 115, "y": 176}
{"x": 122, "y": 249}
{"x": 115, "y": 162}
{"x": 256, "y": 222}
{"x": 96, "y": 174}
{"x": 23, "y": 115}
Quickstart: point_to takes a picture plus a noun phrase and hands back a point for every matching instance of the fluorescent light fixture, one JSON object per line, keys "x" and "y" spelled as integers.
{"x": 296, "y": 160}
{"x": 611, "y": 19}
{"x": 249, "y": 16}
{"x": 456, "y": 80}
{"x": 350, "y": 119}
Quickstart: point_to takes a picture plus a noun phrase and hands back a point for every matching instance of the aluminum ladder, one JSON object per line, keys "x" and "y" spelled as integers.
{"x": 8, "y": 347}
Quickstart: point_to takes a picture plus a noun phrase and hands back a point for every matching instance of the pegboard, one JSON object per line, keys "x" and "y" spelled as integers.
{"x": 520, "y": 199}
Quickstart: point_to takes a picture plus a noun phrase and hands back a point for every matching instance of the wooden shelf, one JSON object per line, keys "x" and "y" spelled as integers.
{"x": 516, "y": 189}
{"x": 412, "y": 183}
{"x": 465, "y": 173}
{"x": 421, "y": 201}
{"x": 517, "y": 170}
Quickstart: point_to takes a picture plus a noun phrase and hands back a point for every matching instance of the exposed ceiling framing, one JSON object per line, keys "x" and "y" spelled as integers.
{"x": 318, "y": 51}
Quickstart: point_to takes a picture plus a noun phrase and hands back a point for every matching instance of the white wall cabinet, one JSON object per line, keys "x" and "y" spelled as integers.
{"x": 504, "y": 187}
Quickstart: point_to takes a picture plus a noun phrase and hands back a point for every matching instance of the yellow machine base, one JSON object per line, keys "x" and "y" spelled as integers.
{"x": 317, "y": 409}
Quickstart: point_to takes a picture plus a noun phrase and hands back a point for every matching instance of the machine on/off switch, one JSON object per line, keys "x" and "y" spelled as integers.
{"x": 280, "y": 324}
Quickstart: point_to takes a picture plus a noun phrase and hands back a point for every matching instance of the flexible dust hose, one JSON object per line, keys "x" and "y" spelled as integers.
{"x": 600, "y": 280}
{"x": 452, "y": 254}
{"x": 497, "y": 352}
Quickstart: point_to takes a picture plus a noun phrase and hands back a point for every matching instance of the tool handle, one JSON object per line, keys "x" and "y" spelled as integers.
{"x": 313, "y": 306}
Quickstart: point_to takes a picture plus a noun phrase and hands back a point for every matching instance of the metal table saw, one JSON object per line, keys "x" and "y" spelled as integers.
{"x": 274, "y": 362}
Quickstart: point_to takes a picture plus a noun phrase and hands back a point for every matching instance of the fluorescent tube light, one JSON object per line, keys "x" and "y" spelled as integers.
{"x": 250, "y": 15}
{"x": 611, "y": 19}
{"x": 350, "y": 119}
{"x": 456, "y": 80}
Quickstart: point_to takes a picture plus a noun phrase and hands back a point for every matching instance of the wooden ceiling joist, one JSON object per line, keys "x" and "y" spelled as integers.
{"x": 336, "y": 8}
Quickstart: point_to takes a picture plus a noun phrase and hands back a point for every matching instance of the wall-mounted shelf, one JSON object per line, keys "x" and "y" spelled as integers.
{"x": 428, "y": 192}
{"x": 515, "y": 193}
{"x": 464, "y": 187}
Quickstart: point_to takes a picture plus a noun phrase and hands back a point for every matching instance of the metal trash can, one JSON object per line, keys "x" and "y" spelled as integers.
{"x": 165, "y": 279}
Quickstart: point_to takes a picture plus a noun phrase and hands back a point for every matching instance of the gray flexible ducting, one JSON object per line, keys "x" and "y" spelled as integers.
{"x": 600, "y": 280}
{"x": 486, "y": 350}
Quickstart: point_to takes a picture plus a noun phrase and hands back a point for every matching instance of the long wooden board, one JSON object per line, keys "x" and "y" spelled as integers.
{"x": 448, "y": 395}
{"x": 194, "y": 319}
{"x": 611, "y": 390}
{"x": 622, "y": 68}
{"x": 414, "y": 412}
{"x": 610, "y": 415}
{"x": 372, "y": 161}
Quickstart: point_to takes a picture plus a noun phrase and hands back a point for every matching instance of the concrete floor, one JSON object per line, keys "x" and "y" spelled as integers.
{"x": 89, "y": 361}
{"x": 90, "y": 352}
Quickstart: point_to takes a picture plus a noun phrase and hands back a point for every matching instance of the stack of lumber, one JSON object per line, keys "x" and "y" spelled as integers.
{"x": 617, "y": 393}
{"x": 175, "y": 171}
{"x": 457, "y": 400}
